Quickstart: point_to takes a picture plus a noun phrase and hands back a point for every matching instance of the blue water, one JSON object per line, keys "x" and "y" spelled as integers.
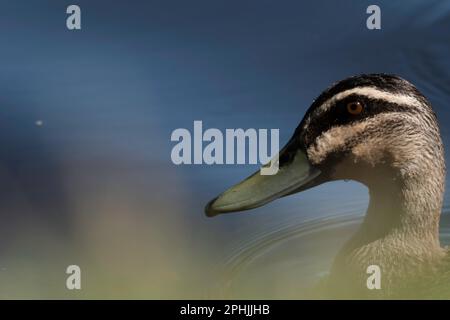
{"x": 94, "y": 183}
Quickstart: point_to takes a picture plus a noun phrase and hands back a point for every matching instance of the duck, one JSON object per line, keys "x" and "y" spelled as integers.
{"x": 381, "y": 131}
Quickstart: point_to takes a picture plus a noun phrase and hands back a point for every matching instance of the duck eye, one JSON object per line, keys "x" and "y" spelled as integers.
{"x": 355, "y": 107}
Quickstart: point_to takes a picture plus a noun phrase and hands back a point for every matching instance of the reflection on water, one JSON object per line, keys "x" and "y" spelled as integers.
{"x": 287, "y": 262}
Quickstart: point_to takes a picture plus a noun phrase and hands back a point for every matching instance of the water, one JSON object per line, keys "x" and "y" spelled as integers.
{"x": 85, "y": 124}
{"x": 288, "y": 261}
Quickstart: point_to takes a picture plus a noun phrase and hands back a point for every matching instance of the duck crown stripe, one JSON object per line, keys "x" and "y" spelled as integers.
{"x": 372, "y": 93}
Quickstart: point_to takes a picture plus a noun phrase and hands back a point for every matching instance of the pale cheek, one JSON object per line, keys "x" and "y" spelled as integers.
{"x": 332, "y": 141}
{"x": 320, "y": 150}
{"x": 372, "y": 151}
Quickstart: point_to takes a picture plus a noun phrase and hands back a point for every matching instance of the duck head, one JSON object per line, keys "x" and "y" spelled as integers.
{"x": 376, "y": 129}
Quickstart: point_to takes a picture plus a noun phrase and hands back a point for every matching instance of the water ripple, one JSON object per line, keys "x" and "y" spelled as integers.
{"x": 287, "y": 260}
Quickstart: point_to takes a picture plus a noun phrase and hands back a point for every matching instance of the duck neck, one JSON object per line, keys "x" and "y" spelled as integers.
{"x": 407, "y": 208}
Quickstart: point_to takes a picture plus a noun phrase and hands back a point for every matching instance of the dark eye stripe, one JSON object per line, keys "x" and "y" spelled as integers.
{"x": 337, "y": 115}
{"x": 313, "y": 124}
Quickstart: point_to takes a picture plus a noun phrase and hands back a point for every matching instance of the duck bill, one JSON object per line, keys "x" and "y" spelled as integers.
{"x": 259, "y": 189}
